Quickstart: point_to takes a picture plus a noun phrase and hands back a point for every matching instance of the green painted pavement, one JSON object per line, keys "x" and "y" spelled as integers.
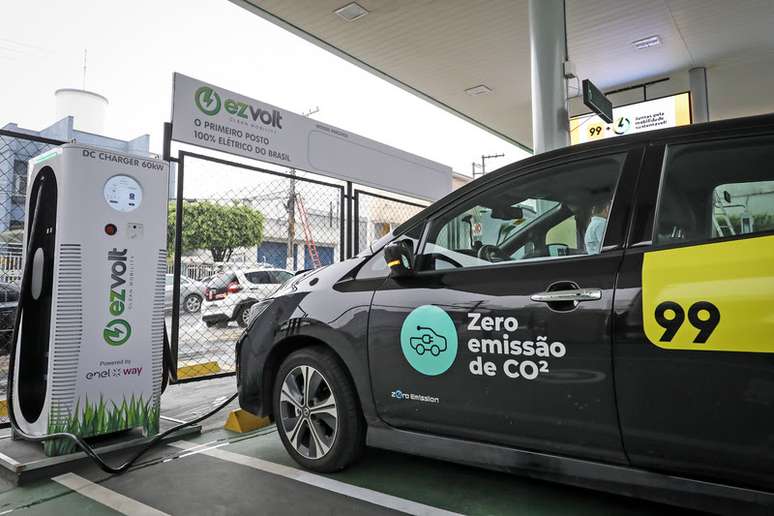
{"x": 463, "y": 489}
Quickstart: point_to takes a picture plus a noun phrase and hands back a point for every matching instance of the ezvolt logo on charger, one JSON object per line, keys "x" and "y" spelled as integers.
{"x": 428, "y": 339}
{"x": 208, "y": 101}
{"x": 117, "y": 331}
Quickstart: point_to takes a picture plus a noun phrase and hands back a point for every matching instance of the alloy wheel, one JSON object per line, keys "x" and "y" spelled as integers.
{"x": 246, "y": 315}
{"x": 193, "y": 304}
{"x": 308, "y": 413}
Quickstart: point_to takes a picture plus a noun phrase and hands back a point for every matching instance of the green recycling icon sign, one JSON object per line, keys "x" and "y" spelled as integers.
{"x": 428, "y": 340}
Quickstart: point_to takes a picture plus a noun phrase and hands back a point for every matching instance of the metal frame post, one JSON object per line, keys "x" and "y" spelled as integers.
{"x": 356, "y": 222}
{"x": 350, "y": 224}
{"x": 342, "y": 225}
{"x": 167, "y": 145}
{"x": 697, "y": 79}
{"x": 175, "y": 333}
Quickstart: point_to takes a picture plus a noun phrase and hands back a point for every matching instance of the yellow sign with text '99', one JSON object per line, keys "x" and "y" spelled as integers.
{"x": 711, "y": 297}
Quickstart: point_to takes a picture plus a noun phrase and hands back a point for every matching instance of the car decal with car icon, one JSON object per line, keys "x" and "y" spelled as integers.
{"x": 431, "y": 341}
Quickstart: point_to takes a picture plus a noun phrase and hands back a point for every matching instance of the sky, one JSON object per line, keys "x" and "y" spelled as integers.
{"x": 134, "y": 48}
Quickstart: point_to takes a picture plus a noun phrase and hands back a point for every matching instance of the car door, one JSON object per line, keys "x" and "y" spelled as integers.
{"x": 504, "y": 333}
{"x": 694, "y": 339}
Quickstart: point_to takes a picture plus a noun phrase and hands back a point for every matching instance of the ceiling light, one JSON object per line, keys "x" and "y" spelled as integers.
{"x": 650, "y": 41}
{"x": 481, "y": 89}
{"x": 351, "y": 12}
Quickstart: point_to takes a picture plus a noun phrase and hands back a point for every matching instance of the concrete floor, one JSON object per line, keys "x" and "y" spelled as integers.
{"x": 228, "y": 473}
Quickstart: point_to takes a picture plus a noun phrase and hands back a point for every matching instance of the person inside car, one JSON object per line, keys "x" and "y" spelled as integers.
{"x": 595, "y": 231}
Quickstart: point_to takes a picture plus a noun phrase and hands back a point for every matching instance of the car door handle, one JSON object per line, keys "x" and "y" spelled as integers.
{"x": 576, "y": 295}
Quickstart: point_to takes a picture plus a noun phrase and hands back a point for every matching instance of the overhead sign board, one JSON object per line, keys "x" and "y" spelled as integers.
{"x": 633, "y": 118}
{"x": 219, "y": 119}
{"x": 596, "y": 101}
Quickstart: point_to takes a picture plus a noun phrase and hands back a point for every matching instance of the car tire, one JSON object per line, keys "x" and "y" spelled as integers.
{"x": 243, "y": 316}
{"x": 192, "y": 304}
{"x": 331, "y": 416}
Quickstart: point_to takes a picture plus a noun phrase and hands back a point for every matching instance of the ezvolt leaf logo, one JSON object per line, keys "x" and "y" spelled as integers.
{"x": 117, "y": 332}
{"x": 207, "y": 100}
{"x": 428, "y": 340}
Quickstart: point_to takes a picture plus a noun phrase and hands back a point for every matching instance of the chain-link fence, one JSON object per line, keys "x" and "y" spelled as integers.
{"x": 376, "y": 215}
{"x": 244, "y": 231}
{"x": 16, "y": 149}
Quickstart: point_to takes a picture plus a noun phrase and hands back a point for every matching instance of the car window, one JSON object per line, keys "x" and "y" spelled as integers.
{"x": 552, "y": 213}
{"x": 562, "y": 236}
{"x": 716, "y": 189}
{"x": 259, "y": 277}
{"x": 280, "y": 276}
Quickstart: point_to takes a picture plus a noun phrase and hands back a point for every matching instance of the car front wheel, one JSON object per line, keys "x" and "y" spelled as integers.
{"x": 318, "y": 414}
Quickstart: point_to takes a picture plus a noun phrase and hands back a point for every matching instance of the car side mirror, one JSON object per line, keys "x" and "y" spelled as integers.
{"x": 400, "y": 260}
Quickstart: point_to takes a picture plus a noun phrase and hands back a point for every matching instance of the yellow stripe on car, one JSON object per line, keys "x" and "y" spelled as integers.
{"x": 711, "y": 297}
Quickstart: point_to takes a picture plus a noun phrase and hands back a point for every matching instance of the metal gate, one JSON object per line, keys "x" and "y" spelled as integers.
{"x": 375, "y": 215}
{"x": 236, "y": 232}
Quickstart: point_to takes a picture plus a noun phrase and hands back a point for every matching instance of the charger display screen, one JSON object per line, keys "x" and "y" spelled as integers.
{"x": 123, "y": 193}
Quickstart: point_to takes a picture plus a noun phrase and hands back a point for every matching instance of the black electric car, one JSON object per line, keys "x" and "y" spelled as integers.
{"x": 603, "y": 316}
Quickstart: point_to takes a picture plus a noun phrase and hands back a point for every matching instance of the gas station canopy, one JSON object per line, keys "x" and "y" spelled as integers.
{"x": 440, "y": 49}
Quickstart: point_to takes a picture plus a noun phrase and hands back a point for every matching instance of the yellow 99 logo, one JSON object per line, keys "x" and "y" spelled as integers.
{"x": 596, "y": 131}
{"x": 703, "y": 315}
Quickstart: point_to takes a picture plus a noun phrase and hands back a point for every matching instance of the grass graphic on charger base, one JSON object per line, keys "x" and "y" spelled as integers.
{"x": 101, "y": 418}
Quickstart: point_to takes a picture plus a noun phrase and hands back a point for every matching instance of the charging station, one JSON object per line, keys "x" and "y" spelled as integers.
{"x": 89, "y": 344}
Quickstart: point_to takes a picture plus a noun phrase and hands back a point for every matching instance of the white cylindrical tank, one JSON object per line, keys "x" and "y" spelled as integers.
{"x": 88, "y": 108}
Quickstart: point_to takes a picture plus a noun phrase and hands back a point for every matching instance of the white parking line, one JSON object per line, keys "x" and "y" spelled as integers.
{"x": 360, "y": 493}
{"x": 106, "y": 497}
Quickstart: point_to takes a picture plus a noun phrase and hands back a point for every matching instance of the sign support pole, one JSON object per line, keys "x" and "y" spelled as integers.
{"x": 548, "y": 51}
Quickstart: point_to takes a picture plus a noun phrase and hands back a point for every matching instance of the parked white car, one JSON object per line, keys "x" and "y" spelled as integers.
{"x": 229, "y": 295}
{"x": 191, "y": 294}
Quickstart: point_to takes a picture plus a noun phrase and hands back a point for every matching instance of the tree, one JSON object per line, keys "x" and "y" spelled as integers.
{"x": 219, "y": 228}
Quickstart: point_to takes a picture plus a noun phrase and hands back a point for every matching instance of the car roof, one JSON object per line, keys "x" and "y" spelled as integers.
{"x": 708, "y": 129}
